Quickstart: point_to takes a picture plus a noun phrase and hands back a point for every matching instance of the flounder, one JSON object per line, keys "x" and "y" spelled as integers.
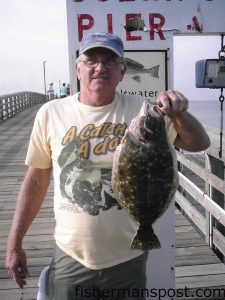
{"x": 144, "y": 175}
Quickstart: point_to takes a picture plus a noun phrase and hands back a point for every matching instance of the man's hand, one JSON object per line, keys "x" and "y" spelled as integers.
{"x": 16, "y": 265}
{"x": 30, "y": 198}
{"x": 172, "y": 102}
{"x": 191, "y": 135}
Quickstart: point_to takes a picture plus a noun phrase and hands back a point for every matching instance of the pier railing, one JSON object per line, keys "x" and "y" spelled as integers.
{"x": 11, "y": 104}
{"x": 201, "y": 192}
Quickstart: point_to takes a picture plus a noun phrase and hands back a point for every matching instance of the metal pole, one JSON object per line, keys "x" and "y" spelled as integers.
{"x": 209, "y": 217}
{"x": 44, "y": 62}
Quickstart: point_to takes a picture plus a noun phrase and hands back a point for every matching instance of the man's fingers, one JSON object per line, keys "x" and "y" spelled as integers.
{"x": 24, "y": 270}
{"x": 18, "y": 277}
{"x": 164, "y": 102}
{"x": 172, "y": 101}
{"x": 16, "y": 265}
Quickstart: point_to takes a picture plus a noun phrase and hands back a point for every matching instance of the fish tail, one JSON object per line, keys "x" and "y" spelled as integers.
{"x": 154, "y": 71}
{"x": 145, "y": 240}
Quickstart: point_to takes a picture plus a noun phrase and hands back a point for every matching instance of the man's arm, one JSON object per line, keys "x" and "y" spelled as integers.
{"x": 191, "y": 135}
{"x": 30, "y": 198}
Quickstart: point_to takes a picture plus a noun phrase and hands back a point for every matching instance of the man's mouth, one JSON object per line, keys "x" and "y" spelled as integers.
{"x": 101, "y": 78}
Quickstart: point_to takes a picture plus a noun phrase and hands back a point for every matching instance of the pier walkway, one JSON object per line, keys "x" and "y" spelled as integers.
{"x": 196, "y": 267}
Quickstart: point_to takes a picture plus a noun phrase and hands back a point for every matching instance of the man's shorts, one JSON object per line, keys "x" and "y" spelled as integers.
{"x": 70, "y": 280}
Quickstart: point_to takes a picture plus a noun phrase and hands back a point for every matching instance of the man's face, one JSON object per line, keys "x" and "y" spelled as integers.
{"x": 99, "y": 70}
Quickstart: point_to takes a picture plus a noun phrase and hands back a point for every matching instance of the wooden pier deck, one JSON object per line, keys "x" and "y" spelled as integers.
{"x": 196, "y": 265}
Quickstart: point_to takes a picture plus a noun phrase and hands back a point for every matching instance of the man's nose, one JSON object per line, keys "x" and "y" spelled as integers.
{"x": 100, "y": 65}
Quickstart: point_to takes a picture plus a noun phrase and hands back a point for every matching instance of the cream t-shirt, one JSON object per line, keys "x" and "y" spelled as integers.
{"x": 79, "y": 141}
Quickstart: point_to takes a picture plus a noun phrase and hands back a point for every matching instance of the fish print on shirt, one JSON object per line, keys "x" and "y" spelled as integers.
{"x": 83, "y": 182}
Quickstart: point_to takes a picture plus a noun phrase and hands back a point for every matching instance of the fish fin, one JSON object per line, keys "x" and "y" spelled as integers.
{"x": 154, "y": 71}
{"x": 115, "y": 176}
{"x": 116, "y": 158}
{"x": 136, "y": 78}
{"x": 133, "y": 63}
{"x": 145, "y": 240}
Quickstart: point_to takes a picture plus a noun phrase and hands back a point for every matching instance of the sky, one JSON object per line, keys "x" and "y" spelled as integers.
{"x": 188, "y": 50}
{"x": 36, "y": 31}
{"x": 32, "y": 32}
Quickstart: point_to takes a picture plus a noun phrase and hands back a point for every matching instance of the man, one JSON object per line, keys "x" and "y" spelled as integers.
{"x": 63, "y": 91}
{"x": 68, "y": 89}
{"x": 76, "y": 139}
{"x": 51, "y": 91}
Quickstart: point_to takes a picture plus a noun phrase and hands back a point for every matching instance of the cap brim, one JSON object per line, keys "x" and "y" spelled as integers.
{"x": 102, "y": 46}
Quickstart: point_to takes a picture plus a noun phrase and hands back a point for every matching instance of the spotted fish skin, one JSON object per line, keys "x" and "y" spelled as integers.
{"x": 144, "y": 175}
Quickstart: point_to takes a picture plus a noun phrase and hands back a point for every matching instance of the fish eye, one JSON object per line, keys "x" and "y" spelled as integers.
{"x": 147, "y": 118}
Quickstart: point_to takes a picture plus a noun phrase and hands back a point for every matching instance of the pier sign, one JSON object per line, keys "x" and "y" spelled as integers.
{"x": 142, "y": 24}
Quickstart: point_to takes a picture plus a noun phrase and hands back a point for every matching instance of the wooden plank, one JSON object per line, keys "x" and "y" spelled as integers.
{"x": 215, "y": 144}
{"x": 189, "y": 242}
{"x": 191, "y": 234}
{"x": 191, "y": 211}
{"x": 202, "y": 281}
{"x": 200, "y": 270}
{"x": 194, "y": 251}
{"x": 196, "y": 260}
{"x": 202, "y": 172}
{"x": 14, "y": 294}
{"x": 10, "y": 284}
{"x": 219, "y": 240}
{"x": 182, "y": 228}
{"x": 203, "y": 199}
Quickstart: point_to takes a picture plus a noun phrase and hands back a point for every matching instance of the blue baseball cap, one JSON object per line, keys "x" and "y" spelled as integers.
{"x": 102, "y": 40}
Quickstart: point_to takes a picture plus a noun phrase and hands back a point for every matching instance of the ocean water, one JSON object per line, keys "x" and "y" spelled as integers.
{"x": 208, "y": 112}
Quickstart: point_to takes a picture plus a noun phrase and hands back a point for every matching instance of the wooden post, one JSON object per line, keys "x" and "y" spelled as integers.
{"x": 208, "y": 215}
{"x": 217, "y": 168}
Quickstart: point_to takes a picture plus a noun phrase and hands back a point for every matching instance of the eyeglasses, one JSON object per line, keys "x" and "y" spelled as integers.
{"x": 108, "y": 64}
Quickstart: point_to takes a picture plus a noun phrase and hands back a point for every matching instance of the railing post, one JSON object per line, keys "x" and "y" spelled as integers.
{"x": 180, "y": 168}
{"x": 1, "y": 109}
{"x": 7, "y": 108}
{"x": 208, "y": 215}
{"x": 217, "y": 168}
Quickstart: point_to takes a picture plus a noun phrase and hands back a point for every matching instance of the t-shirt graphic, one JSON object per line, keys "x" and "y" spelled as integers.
{"x": 85, "y": 183}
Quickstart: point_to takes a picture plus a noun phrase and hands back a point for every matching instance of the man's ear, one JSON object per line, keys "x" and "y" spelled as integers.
{"x": 123, "y": 71}
{"x": 77, "y": 70}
